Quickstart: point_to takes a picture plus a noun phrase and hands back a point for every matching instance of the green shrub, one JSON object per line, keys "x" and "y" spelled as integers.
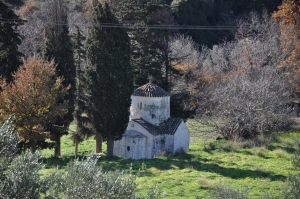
{"x": 226, "y": 192}
{"x": 85, "y": 179}
{"x": 296, "y": 156}
{"x": 19, "y": 177}
{"x": 293, "y": 191}
{"x": 19, "y": 174}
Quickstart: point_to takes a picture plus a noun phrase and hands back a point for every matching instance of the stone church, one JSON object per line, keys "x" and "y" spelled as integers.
{"x": 150, "y": 129}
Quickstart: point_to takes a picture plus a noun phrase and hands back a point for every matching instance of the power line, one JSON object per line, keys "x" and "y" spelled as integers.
{"x": 139, "y": 26}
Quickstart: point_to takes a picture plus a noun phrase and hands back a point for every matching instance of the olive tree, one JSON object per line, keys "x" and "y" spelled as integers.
{"x": 18, "y": 173}
{"x": 20, "y": 177}
{"x": 86, "y": 179}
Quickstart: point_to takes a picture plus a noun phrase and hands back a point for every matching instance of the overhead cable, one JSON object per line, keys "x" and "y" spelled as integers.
{"x": 138, "y": 26}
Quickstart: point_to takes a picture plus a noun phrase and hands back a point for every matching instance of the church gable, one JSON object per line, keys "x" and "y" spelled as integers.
{"x": 148, "y": 126}
{"x": 171, "y": 126}
{"x": 133, "y": 133}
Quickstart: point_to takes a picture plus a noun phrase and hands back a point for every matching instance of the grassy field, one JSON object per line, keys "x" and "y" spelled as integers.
{"x": 262, "y": 169}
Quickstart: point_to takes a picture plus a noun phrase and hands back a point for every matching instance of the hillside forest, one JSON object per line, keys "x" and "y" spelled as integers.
{"x": 230, "y": 65}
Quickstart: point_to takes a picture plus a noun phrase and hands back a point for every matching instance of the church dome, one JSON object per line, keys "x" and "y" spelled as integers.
{"x": 150, "y": 90}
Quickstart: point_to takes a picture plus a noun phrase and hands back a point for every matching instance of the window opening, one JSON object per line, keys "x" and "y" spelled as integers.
{"x": 128, "y": 148}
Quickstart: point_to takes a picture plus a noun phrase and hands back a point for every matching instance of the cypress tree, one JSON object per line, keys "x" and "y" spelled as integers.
{"x": 84, "y": 127}
{"x": 10, "y": 57}
{"x": 196, "y": 13}
{"x": 148, "y": 46}
{"x": 58, "y": 46}
{"x": 109, "y": 75}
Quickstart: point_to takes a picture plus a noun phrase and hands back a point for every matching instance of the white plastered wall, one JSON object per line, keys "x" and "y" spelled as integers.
{"x": 181, "y": 138}
{"x": 117, "y": 148}
{"x": 149, "y": 143}
{"x": 133, "y": 147}
{"x": 167, "y": 142}
{"x": 154, "y": 110}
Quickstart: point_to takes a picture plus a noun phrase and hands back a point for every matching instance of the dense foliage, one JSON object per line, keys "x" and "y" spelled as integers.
{"x": 34, "y": 99}
{"x": 109, "y": 75}
{"x": 149, "y": 46}
{"x": 237, "y": 86}
{"x": 58, "y": 46}
{"x": 10, "y": 39}
{"x": 233, "y": 65}
{"x": 82, "y": 179}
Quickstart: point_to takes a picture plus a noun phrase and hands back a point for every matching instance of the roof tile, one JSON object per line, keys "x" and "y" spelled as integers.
{"x": 148, "y": 126}
{"x": 150, "y": 90}
{"x": 171, "y": 125}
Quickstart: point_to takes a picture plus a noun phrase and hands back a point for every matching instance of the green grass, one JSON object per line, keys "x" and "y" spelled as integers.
{"x": 262, "y": 169}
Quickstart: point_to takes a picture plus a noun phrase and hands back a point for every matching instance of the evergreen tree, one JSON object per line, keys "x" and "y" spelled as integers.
{"x": 79, "y": 53}
{"x": 10, "y": 57}
{"x": 196, "y": 13}
{"x": 148, "y": 46}
{"x": 58, "y": 46}
{"x": 109, "y": 75}
{"x": 83, "y": 123}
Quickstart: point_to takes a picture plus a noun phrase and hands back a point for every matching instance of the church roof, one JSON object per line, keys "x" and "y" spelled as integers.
{"x": 133, "y": 133}
{"x": 150, "y": 90}
{"x": 171, "y": 125}
{"x": 148, "y": 126}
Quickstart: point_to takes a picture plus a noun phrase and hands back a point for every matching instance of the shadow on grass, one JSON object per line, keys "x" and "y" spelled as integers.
{"x": 183, "y": 161}
{"x": 60, "y": 162}
{"x": 142, "y": 166}
{"x": 178, "y": 161}
{"x": 290, "y": 150}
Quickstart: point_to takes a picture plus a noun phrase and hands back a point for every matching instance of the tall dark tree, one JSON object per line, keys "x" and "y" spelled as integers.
{"x": 196, "y": 13}
{"x": 79, "y": 53}
{"x": 58, "y": 46}
{"x": 10, "y": 39}
{"x": 109, "y": 75}
{"x": 148, "y": 46}
{"x": 82, "y": 113}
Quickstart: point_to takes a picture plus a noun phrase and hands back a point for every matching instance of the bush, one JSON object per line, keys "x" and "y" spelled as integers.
{"x": 226, "y": 192}
{"x": 19, "y": 176}
{"x": 293, "y": 191}
{"x": 238, "y": 87}
{"x": 85, "y": 179}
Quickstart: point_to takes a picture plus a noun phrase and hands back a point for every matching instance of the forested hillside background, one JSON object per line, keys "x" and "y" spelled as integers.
{"x": 230, "y": 64}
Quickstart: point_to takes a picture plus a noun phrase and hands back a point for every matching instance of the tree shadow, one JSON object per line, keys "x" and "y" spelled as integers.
{"x": 290, "y": 150}
{"x": 178, "y": 161}
{"x": 61, "y": 162}
{"x": 184, "y": 161}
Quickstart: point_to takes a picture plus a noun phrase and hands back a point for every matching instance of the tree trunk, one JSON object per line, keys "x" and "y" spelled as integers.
{"x": 57, "y": 147}
{"x": 168, "y": 69}
{"x": 110, "y": 145}
{"x": 76, "y": 147}
{"x": 98, "y": 143}
{"x": 33, "y": 146}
